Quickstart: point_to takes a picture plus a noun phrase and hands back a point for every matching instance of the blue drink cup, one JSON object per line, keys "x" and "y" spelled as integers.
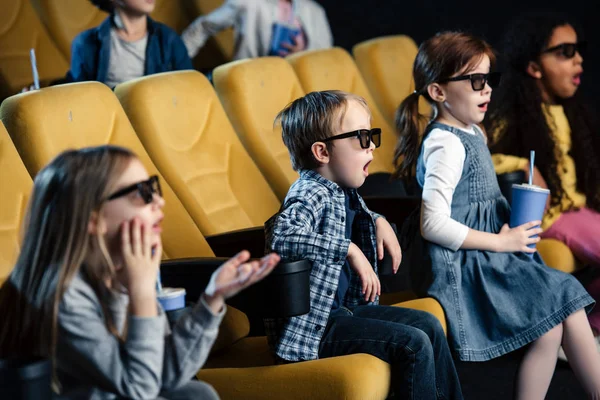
{"x": 528, "y": 204}
{"x": 282, "y": 34}
{"x": 171, "y": 298}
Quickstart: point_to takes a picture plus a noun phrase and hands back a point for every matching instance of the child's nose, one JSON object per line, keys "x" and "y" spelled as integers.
{"x": 158, "y": 200}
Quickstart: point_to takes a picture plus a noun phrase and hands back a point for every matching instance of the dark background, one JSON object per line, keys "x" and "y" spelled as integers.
{"x": 353, "y": 21}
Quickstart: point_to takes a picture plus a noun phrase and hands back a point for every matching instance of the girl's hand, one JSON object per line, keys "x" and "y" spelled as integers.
{"x": 235, "y": 275}
{"x": 140, "y": 271}
{"x": 517, "y": 239}
{"x": 371, "y": 287}
{"x": 386, "y": 238}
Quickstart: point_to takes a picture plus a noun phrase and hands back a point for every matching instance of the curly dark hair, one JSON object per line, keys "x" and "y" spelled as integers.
{"x": 517, "y": 123}
{"x": 104, "y": 5}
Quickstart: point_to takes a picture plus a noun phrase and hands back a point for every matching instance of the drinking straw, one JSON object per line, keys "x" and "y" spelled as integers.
{"x": 36, "y": 77}
{"x": 531, "y": 161}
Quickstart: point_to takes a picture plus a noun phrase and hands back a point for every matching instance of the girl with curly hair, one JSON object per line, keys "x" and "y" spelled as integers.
{"x": 537, "y": 108}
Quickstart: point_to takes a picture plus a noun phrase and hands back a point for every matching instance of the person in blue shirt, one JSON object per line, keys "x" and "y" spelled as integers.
{"x": 127, "y": 45}
{"x": 324, "y": 220}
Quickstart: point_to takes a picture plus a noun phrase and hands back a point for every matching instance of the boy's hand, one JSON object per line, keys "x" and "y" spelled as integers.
{"x": 371, "y": 287}
{"x": 386, "y": 238}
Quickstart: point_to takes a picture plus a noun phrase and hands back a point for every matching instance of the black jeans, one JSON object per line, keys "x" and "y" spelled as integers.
{"x": 411, "y": 341}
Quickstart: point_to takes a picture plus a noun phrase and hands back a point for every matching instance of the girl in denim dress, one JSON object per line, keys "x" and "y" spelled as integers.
{"x": 497, "y": 296}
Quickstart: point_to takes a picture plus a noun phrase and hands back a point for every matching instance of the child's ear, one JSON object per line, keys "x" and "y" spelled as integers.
{"x": 534, "y": 70}
{"x": 436, "y": 92}
{"x": 95, "y": 224}
{"x": 320, "y": 152}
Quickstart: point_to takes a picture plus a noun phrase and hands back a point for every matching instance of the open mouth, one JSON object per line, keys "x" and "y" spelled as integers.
{"x": 366, "y": 167}
{"x": 483, "y": 106}
{"x": 156, "y": 227}
{"x": 577, "y": 79}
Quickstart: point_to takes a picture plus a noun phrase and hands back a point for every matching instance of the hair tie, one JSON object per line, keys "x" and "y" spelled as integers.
{"x": 416, "y": 92}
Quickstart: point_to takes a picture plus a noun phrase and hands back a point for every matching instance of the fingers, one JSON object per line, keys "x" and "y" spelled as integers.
{"x": 529, "y": 225}
{"x": 146, "y": 245}
{"x": 136, "y": 237}
{"x": 267, "y": 264}
{"x": 399, "y": 260}
{"x": 237, "y": 260}
{"x": 125, "y": 240}
{"x": 157, "y": 254}
{"x": 532, "y": 240}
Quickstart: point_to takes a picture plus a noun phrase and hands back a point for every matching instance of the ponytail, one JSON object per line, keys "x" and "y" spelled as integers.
{"x": 408, "y": 127}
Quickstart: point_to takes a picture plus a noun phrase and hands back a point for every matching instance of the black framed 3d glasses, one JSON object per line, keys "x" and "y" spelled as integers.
{"x": 366, "y": 136}
{"x": 567, "y": 50}
{"x": 478, "y": 81}
{"x": 146, "y": 190}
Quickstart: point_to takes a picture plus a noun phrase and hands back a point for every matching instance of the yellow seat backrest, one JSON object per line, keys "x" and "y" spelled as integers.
{"x": 219, "y": 48}
{"x": 14, "y": 195}
{"x": 182, "y": 125}
{"x": 172, "y": 13}
{"x": 386, "y": 63}
{"x": 46, "y": 122}
{"x": 65, "y": 19}
{"x": 252, "y": 92}
{"x": 334, "y": 68}
{"x": 21, "y": 30}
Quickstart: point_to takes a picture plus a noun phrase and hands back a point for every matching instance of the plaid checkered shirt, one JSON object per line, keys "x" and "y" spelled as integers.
{"x": 311, "y": 225}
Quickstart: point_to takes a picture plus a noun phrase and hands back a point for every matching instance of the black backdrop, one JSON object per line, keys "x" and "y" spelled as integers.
{"x": 353, "y": 21}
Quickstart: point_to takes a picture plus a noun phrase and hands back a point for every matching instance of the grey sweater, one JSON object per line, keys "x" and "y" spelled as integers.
{"x": 152, "y": 359}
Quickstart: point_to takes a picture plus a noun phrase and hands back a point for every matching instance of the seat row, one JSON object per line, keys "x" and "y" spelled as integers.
{"x": 178, "y": 126}
{"x": 49, "y": 27}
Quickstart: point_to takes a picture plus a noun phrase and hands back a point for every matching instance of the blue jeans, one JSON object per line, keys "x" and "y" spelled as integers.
{"x": 411, "y": 341}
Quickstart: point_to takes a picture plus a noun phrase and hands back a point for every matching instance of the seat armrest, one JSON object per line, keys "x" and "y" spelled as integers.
{"x": 228, "y": 244}
{"x": 284, "y": 293}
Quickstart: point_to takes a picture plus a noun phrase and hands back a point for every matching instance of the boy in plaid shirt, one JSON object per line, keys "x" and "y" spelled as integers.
{"x": 323, "y": 219}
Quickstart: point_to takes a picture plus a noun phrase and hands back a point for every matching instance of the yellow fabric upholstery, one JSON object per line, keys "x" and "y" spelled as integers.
{"x": 172, "y": 13}
{"x": 386, "y": 64}
{"x": 14, "y": 195}
{"x": 45, "y": 122}
{"x": 245, "y": 370}
{"x": 182, "y": 125}
{"x": 218, "y": 49}
{"x": 557, "y": 255}
{"x": 234, "y": 326}
{"x": 252, "y": 92}
{"x": 335, "y": 69}
{"x": 65, "y": 19}
{"x": 20, "y": 31}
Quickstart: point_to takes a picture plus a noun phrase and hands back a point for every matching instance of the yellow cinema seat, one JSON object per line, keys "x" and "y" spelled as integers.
{"x": 20, "y": 31}
{"x": 386, "y": 65}
{"x": 182, "y": 125}
{"x": 43, "y": 123}
{"x": 334, "y": 68}
{"x": 218, "y": 49}
{"x": 253, "y": 92}
{"x": 14, "y": 195}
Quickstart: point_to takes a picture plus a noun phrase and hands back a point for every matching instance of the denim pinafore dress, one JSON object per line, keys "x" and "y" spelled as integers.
{"x": 494, "y": 302}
